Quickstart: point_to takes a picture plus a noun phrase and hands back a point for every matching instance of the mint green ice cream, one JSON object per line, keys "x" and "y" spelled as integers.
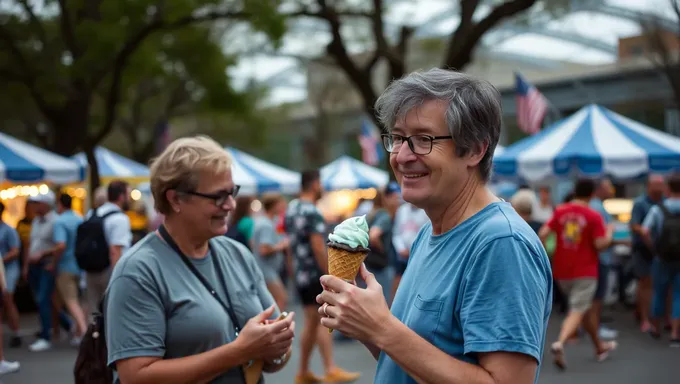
{"x": 352, "y": 232}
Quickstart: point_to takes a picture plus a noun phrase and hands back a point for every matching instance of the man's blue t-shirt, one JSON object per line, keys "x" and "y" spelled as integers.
{"x": 9, "y": 239}
{"x": 641, "y": 207}
{"x": 597, "y": 205}
{"x": 484, "y": 286}
{"x": 65, "y": 229}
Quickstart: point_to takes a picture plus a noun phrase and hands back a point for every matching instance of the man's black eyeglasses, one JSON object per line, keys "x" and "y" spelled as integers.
{"x": 419, "y": 144}
{"x": 219, "y": 198}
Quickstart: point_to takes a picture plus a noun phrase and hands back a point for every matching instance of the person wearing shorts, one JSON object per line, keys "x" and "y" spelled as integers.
{"x": 10, "y": 248}
{"x": 65, "y": 264}
{"x": 581, "y": 235}
{"x": 269, "y": 247}
{"x": 307, "y": 231}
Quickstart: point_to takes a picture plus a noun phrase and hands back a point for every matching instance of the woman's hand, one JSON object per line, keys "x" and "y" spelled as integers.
{"x": 260, "y": 340}
{"x": 358, "y": 313}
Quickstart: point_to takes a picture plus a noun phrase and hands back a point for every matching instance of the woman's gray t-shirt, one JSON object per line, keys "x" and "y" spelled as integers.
{"x": 156, "y": 307}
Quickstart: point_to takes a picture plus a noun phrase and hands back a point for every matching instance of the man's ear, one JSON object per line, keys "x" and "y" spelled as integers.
{"x": 476, "y": 155}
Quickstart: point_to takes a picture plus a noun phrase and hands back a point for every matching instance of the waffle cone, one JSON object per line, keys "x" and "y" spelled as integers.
{"x": 345, "y": 264}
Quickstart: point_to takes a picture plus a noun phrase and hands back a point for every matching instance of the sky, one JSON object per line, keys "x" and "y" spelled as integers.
{"x": 287, "y": 77}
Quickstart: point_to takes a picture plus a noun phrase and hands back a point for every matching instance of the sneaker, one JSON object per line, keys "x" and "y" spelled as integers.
{"x": 75, "y": 341}
{"x": 607, "y": 333}
{"x": 8, "y": 367}
{"x": 40, "y": 345}
{"x": 15, "y": 341}
{"x": 338, "y": 375}
{"x": 557, "y": 350}
{"x": 605, "y": 349}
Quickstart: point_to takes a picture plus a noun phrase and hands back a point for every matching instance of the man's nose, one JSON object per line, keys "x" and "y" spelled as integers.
{"x": 405, "y": 154}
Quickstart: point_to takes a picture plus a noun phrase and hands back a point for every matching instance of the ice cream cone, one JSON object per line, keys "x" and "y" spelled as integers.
{"x": 344, "y": 264}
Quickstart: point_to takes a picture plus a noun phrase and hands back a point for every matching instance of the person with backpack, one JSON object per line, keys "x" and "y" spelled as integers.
{"x": 102, "y": 239}
{"x": 662, "y": 234}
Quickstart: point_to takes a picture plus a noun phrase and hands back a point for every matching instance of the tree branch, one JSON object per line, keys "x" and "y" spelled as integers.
{"x": 27, "y": 78}
{"x": 67, "y": 33}
{"x": 468, "y": 34}
{"x": 34, "y": 21}
{"x": 130, "y": 47}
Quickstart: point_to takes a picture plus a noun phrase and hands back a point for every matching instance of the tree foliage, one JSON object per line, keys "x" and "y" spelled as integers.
{"x": 457, "y": 53}
{"x": 663, "y": 48}
{"x": 76, "y": 63}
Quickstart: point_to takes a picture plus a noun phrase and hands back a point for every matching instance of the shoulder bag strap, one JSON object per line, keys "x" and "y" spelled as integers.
{"x": 228, "y": 307}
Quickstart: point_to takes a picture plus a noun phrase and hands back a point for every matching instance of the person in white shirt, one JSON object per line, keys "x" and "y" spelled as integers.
{"x": 407, "y": 223}
{"x": 543, "y": 210}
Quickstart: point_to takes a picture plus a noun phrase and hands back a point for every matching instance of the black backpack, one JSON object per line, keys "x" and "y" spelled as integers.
{"x": 91, "y": 364}
{"x": 92, "y": 250}
{"x": 668, "y": 244}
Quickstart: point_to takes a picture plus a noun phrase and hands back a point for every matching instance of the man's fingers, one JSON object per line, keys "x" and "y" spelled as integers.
{"x": 369, "y": 278}
{"x": 285, "y": 335}
{"x": 334, "y": 283}
{"x": 327, "y": 297}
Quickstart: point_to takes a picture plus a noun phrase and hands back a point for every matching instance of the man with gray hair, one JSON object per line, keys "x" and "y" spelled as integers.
{"x": 474, "y": 302}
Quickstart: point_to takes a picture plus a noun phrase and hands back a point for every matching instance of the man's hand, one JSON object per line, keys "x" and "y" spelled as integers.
{"x": 361, "y": 314}
{"x": 404, "y": 254}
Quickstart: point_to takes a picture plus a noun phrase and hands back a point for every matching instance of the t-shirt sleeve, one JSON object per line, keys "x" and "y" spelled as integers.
{"x": 119, "y": 230}
{"x": 505, "y": 299}
{"x": 264, "y": 233}
{"x": 637, "y": 215}
{"x": 13, "y": 239}
{"x": 382, "y": 221}
{"x": 316, "y": 223}
{"x": 60, "y": 233}
{"x": 135, "y": 320}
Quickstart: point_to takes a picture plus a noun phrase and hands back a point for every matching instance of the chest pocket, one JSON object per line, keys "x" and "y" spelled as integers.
{"x": 424, "y": 316}
{"x": 247, "y": 303}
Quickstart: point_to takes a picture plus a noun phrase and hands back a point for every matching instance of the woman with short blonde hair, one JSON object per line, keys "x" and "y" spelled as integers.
{"x": 186, "y": 304}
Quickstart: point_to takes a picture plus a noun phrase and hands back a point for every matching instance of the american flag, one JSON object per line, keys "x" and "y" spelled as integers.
{"x": 161, "y": 136}
{"x": 532, "y": 106}
{"x": 369, "y": 140}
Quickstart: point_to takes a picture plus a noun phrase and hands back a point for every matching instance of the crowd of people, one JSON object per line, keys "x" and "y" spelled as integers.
{"x": 458, "y": 285}
{"x": 41, "y": 251}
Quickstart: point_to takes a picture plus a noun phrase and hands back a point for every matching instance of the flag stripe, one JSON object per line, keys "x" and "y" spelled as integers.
{"x": 532, "y": 106}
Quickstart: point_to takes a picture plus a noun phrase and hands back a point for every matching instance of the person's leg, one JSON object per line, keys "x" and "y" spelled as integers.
{"x": 12, "y": 274}
{"x": 600, "y": 294}
{"x": 580, "y": 298}
{"x": 67, "y": 288}
{"x": 675, "y": 312}
{"x": 661, "y": 282}
{"x": 644, "y": 290}
{"x": 308, "y": 336}
{"x": 5, "y": 366}
{"x": 44, "y": 292}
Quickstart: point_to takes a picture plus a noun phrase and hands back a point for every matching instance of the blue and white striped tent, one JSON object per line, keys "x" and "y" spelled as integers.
{"x": 499, "y": 149}
{"x": 24, "y": 163}
{"x": 257, "y": 176}
{"x": 592, "y": 142}
{"x": 114, "y": 166}
{"x": 348, "y": 173}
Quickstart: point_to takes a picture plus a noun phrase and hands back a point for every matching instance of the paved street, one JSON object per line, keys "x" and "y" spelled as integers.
{"x": 639, "y": 359}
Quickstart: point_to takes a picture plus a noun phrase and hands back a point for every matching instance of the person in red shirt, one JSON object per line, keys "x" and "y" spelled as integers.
{"x": 581, "y": 234}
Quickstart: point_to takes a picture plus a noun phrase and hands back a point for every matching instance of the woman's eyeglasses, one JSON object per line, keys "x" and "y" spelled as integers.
{"x": 219, "y": 198}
